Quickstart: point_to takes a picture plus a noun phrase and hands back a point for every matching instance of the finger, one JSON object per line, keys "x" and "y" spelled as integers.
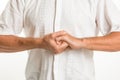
{"x": 59, "y": 33}
{"x": 60, "y": 48}
{"x": 58, "y": 42}
{"x": 58, "y": 39}
{"x": 66, "y": 39}
{"x": 64, "y": 45}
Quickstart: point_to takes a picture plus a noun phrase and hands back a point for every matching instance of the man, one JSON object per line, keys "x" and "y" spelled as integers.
{"x": 43, "y": 21}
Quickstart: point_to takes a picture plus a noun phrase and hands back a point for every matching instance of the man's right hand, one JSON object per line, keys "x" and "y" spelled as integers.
{"x": 49, "y": 42}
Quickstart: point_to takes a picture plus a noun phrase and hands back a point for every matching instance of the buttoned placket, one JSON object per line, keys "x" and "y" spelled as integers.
{"x": 57, "y": 27}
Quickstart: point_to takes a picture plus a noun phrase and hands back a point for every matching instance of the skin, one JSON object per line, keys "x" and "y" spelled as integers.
{"x": 110, "y": 42}
{"x": 59, "y": 41}
{"x": 49, "y": 42}
{"x": 10, "y": 43}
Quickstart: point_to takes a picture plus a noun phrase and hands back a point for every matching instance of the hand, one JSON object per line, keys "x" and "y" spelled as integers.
{"x": 74, "y": 43}
{"x": 49, "y": 42}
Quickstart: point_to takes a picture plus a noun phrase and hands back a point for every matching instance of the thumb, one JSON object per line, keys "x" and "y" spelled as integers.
{"x": 64, "y": 39}
{"x": 59, "y": 33}
{"x": 59, "y": 39}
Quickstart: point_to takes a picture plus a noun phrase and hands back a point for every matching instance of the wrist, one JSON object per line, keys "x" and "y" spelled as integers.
{"x": 88, "y": 43}
{"x": 38, "y": 42}
{"x": 83, "y": 43}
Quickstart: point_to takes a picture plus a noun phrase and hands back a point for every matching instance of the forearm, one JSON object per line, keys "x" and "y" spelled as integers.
{"x": 9, "y": 43}
{"x": 109, "y": 42}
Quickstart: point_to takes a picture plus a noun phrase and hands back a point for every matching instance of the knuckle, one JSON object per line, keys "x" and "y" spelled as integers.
{"x": 52, "y": 35}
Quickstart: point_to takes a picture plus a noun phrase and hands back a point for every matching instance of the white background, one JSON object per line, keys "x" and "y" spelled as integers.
{"x": 12, "y": 66}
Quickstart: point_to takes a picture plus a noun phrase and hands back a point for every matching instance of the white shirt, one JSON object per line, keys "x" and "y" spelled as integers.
{"x": 80, "y": 18}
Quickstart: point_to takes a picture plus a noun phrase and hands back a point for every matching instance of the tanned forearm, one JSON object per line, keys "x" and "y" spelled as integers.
{"x": 10, "y": 43}
{"x": 110, "y": 42}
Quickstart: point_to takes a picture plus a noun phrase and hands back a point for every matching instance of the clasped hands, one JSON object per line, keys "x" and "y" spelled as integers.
{"x": 58, "y": 42}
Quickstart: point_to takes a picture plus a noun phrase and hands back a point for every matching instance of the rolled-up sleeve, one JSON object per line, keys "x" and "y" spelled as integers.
{"x": 108, "y": 17}
{"x": 11, "y": 20}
